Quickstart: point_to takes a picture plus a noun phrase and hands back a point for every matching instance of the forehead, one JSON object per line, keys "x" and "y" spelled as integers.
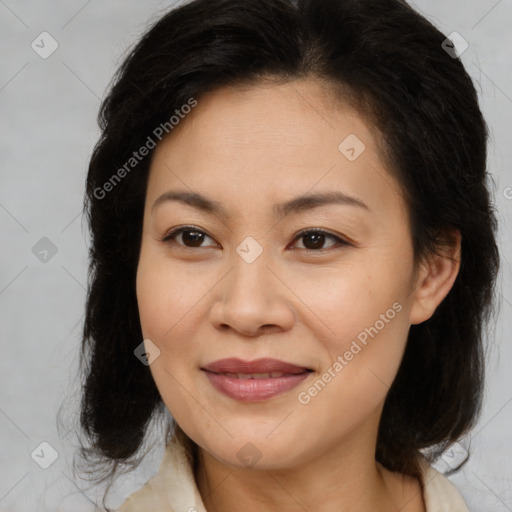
{"x": 298, "y": 114}
{"x": 273, "y": 141}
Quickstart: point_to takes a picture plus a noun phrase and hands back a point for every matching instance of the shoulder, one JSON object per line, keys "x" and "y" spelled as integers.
{"x": 433, "y": 492}
{"x": 152, "y": 496}
{"x": 172, "y": 488}
{"x": 439, "y": 493}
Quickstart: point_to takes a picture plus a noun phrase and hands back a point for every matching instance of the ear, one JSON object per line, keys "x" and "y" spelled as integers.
{"x": 435, "y": 279}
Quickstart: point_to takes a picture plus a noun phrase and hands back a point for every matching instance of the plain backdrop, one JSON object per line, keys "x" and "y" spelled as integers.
{"x": 47, "y": 131}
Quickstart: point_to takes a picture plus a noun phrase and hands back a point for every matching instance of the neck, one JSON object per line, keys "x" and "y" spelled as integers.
{"x": 343, "y": 479}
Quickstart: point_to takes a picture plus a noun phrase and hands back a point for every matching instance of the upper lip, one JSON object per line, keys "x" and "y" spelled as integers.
{"x": 264, "y": 365}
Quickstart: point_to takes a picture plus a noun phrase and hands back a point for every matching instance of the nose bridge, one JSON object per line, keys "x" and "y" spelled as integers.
{"x": 252, "y": 297}
{"x": 250, "y": 277}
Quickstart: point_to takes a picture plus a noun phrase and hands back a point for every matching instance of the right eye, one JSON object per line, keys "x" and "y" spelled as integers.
{"x": 190, "y": 237}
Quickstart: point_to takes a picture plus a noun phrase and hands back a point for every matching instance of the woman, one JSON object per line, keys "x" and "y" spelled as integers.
{"x": 293, "y": 254}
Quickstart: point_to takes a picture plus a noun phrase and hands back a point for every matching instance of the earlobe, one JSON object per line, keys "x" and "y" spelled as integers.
{"x": 436, "y": 277}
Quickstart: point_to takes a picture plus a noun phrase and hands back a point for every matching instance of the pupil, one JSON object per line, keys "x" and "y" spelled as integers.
{"x": 194, "y": 240}
{"x": 316, "y": 238}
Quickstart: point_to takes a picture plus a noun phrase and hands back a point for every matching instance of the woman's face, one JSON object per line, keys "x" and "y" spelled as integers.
{"x": 243, "y": 282}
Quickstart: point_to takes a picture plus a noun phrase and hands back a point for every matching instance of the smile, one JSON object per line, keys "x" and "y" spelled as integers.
{"x": 254, "y": 387}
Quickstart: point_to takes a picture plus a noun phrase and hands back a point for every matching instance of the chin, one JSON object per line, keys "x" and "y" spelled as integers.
{"x": 256, "y": 452}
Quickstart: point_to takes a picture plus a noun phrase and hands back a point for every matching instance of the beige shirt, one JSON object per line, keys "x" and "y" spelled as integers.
{"x": 173, "y": 488}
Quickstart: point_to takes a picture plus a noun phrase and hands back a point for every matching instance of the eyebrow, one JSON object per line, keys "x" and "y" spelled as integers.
{"x": 295, "y": 205}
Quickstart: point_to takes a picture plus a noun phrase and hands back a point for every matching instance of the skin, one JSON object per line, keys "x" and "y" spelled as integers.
{"x": 249, "y": 149}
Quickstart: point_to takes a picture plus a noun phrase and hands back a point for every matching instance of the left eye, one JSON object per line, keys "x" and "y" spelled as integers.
{"x": 190, "y": 237}
{"x": 315, "y": 239}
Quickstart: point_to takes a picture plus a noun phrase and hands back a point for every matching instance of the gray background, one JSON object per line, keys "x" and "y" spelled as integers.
{"x": 47, "y": 132}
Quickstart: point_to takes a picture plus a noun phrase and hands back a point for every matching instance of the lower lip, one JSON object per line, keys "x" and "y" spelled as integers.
{"x": 253, "y": 390}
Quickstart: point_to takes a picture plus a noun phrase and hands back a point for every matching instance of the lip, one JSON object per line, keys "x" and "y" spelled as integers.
{"x": 254, "y": 390}
{"x": 251, "y": 389}
{"x": 264, "y": 365}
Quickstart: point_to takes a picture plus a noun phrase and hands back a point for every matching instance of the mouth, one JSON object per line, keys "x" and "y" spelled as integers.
{"x": 254, "y": 381}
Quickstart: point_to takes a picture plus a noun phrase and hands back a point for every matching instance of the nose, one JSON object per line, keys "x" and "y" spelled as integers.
{"x": 253, "y": 299}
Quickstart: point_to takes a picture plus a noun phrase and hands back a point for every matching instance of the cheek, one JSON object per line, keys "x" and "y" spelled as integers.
{"x": 169, "y": 307}
{"x": 343, "y": 302}
{"x": 172, "y": 302}
{"x": 362, "y": 360}
{"x": 361, "y": 320}
{"x": 166, "y": 299}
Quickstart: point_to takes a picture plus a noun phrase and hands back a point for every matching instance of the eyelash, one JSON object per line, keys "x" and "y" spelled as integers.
{"x": 171, "y": 235}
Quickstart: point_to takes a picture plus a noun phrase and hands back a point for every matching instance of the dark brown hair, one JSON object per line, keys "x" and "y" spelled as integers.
{"x": 424, "y": 105}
